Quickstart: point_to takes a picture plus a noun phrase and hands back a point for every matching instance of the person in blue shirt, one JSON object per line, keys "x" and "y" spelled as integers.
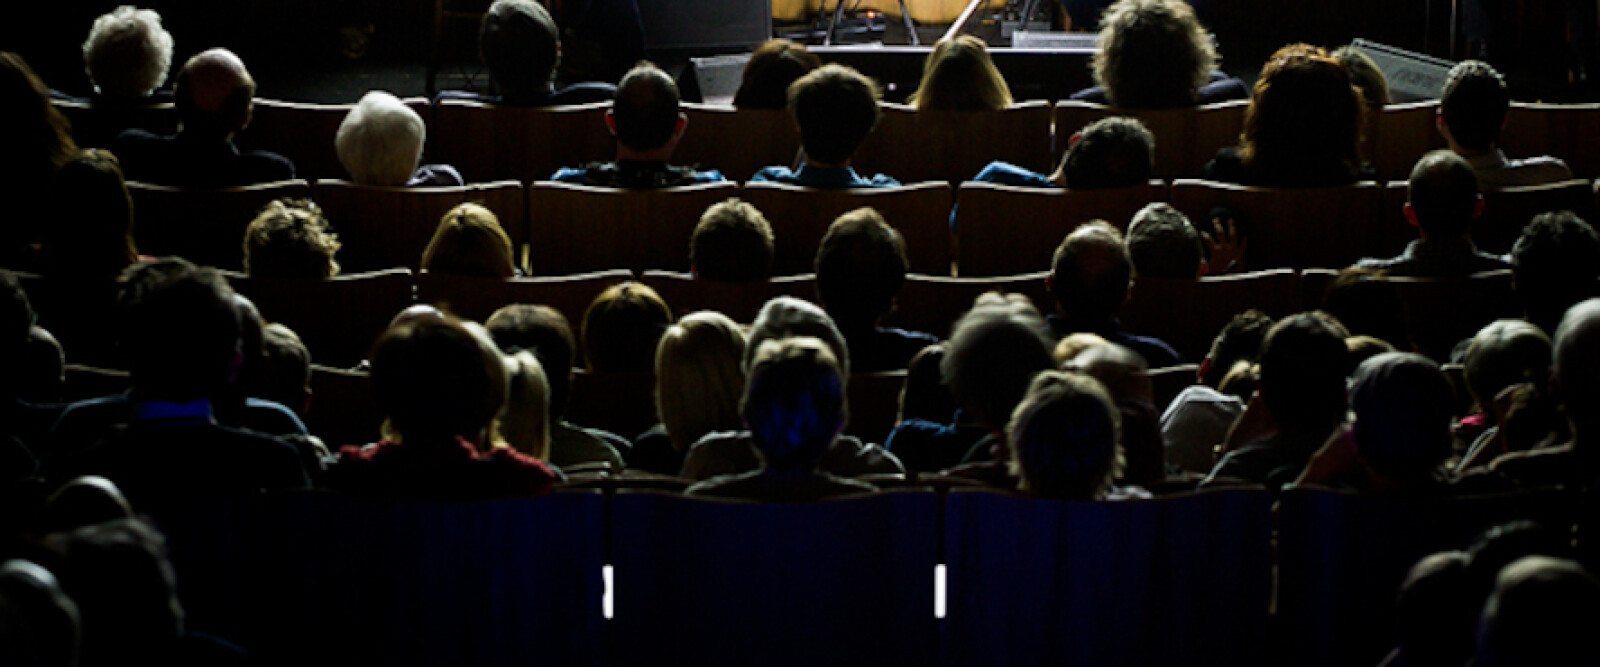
{"x": 836, "y": 108}
{"x": 646, "y": 119}
{"x": 1112, "y": 152}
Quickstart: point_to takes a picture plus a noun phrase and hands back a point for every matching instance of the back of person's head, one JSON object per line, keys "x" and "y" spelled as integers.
{"x": 1303, "y": 366}
{"x": 787, "y": 317}
{"x": 39, "y": 623}
{"x": 924, "y": 395}
{"x": 35, "y": 137}
{"x": 290, "y": 238}
{"x": 524, "y": 420}
{"x": 214, "y": 94}
{"x": 118, "y": 574}
{"x": 1433, "y": 616}
{"x": 622, "y": 327}
{"x": 1576, "y": 358}
{"x": 960, "y": 76}
{"x": 860, "y": 267}
{"x": 1113, "y": 152}
{"x": 1153, "y": 54}
{"x": 1502, "y": 354}
{"x": 1403, "y": 407}
{"x": 1368, "y": 305}
{"x": 43, "y": 374}
{"x": 732, "y": 243}
{"x": 380, "y": 141}
{"x": 1543, "y": 611}
{"x": 83, "y": 501}
{"x": 794, "y": 401}
{"x": 1090, "y": 272}
{"x": 1555, "y": 264}
{"x": 1364, "y": 75}
{"x": 1363, "y": 347}
{"x": 1162, "y": 243}
{"x": 285, "y": 375}
{"x": 1239, "y": 340}
{"x": 1443, "y": 195}
{"x": 128, "y": 53}
{"x": 994, "y": 351}
{"x": 98, "y": 239}
{"x": 544, "y": 331}
{"x": 436, "y": 379}
{"x": 1474, "y": 103}
{"x": 470, "y": 242}
{"x": 1064, "y": 437}
{"x": 699, "y": 377}
{"x": 180, "y": 330}
{"x": 1504, "y": 544}
{"x": 836, "y": 108}
{"x": 772, "y": 67}
{"x": 646, "y": 108}
{"x": 1304, "y": 114}
{"x": 521, "y": 46}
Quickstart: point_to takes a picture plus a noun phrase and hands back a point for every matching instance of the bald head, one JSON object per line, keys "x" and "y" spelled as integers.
{"x": 1577, "y": 360}
{"x": 213, "y": 93}
{"x": 646, "y": 109}
{"x": 1089, "y": 276}
{"x": 1443, "y": 194}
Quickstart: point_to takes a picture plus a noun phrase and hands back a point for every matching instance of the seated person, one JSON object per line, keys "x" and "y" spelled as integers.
{"x": 214, "y": 96}
{"x": 1401, "y": 434}
{"x": 1113, "y": 152}
{"x": 290, "y": 239}
{"x": 285, "y": 375}
{"x": 1554, "y": 265}
{"x": 470, "y": 242}
{"x": 1065, "y": 440}
{"x": 1154, "y": 54}
{"x": 1442, "y": 200}
{"x": 1127, "y": 380}
{"x": 127, "y": 56}
{"x": 1162, "y": 243}
{"x": 380, "y": 143}
{"x": 1303, "y": 127}
{"x": 835, "y": 108}
{"x": 732, "y": 243}
{"x": 1365, "y": 76}
{"x": 1199, "y": 417}
{"x": 794, "y": 404}
{"x": 699, "y": 380}
{"x": 774, "y": 65}
{"x": 622, "y": 327}
{"x": 860, "y": 265}
{"x": 1542, "y": 611}
{"x": 960, "y": 76}
{"x": 646, "y": 120}
{"x": 37, "y": 142}
{"x": 439, "y": 384}
{"x": 1089, "y": 278}
{"x": 1472, "y": 112}
{"x": 93, "y": 239}
{"x": 1507, "y": 372}
{"x": 524, "y": 420}
{"x": 521, "y": 47}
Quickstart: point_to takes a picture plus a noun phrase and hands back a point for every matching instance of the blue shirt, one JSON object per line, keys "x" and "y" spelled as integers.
{"x": 823, "y": 178}
{"x": 635, "y": 175}
{"x": 1005, "y": 173}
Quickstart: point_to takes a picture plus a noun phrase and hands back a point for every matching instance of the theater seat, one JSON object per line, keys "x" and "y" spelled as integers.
{"x": 577, "y": 228}
{"x": 204, "y": 226}
{"x": 801, "y": 216}
{"x": 932, "y": 304}
{"x": 1005, "y": 230}
{"x": 1295, "y": 227}
{"x": 338, "y": 319}
{"x": 305, "y": 133}
{"x": 384, "y": 227}
{"x": 740, "y": 301}
{"x": 737, "y": 142}
{"x": 342, "y": 410}
{"x": 489, "y": 143}
{"x": 1563, "y": 130}
{"x": 953, "y": 146}
{"x": 476, "y": 298}
{"x": 1188, "y": 314}
{"x": 1186, "y": 139}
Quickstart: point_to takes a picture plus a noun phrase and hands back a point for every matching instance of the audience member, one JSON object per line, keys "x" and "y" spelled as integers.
{"x": 924, "y": 396}
{"x": 470, "y": 242}
{"x": 521, "y": 47}
{"x": 39, "y": 625}
{"x": 285, "y": 375}
{"x": 1302, "y": 129}
{"x": 1154, "y": 54}
{"x": 1365, "y": 76}
{"x": 959, "y": 76}
{"x": 37, "y": 141}
{"x": 622, "y": 327}
{"x": 524, "y": 420}
{"x": 23, "y": 423}
{"x": 1401, "y": 434}
{"x": 1433, "y": 616}
{"x": 1575, "y": 382}
{"x": 1505, "y": 362}
{"x": 1198, "y": 418}
{"x": 544, "y": 331}
{"x": 290, "y": 239}
{"x": 440, "y": 385}
{"x": 835, "y": 108}
{"x": 1064, "y": 439}
{"x": 699, "y": 379}
{"x": 214, "y": 96}
{"x": 1089, "y": 279}
{"x": 772, "y": 67}
{"x": 1554, "y": 264}
{"x": 647, "y": 122}
{"x": 1162, "y": 244}
{"x": 860, "y": 267}
{"x": 1542, "y": 612}
{"x": 94, "y": 241}
{"x": 732, "y": 243}
{"x": 1442, "y": 200}
{"x": 1472, "y": 112}
{"x": 127, "y": 56}
{"x": 1362, "y": 348}
{"x": 1127, "y": 380}
{"x": 727, "y": 453}
{"x": 1298, "y": 404}
{"x": 162, "y": 441}
{"x": 238, "y": 404}
{"x": 1367, "y": 305}
{"x": 1113, "y": 152}
{"x": 380, "y": 143}
{"x": 794, "y": 404}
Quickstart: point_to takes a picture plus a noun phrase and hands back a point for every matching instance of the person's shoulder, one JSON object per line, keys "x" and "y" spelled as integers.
{"x": 1093, "y": 94}
{"x": 849, "y": 457}
{"x": 585, "y": 92}
{"x": 1223, "y": 90}
{"x": 435, "y": 175}
{"x": 1005, "y": 173}
{"x": 774, "y": 175}
{"x": 707, "y": 176}
{"x": 1156, "y": 352}
{"x": 579, "y": 175}
{"x": 1226, "y": 166}
{"x": 882, "y": 181}
{"x": 272, "y": 418}
{"x": 518, "y": 463}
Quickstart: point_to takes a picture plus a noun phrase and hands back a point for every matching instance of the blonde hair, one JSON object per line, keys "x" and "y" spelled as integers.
{"x": 290, "y": 238}
{"x": 524, "y": 421}
{"x": 960, "y": 76}
{"x": 470, "y": 242}
{"x": 1065, "y": 438}
{"x": 1153, "y": 54}
{"x": 699, "y": 377}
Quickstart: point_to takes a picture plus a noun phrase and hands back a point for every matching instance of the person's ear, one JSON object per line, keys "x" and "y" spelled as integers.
{"x": 683, "y": 124}
{"x": 1411, "y": 215}
{"x": 1074, "y": 139}
{"x": 1477, "y": 208}
{"x": 611, "y": 122}
{"x": 1205, "y": 368}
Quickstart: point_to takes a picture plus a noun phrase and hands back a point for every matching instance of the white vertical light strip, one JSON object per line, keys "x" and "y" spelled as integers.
{"x": 938, "y": 591}
{"x": 606, "y": 598}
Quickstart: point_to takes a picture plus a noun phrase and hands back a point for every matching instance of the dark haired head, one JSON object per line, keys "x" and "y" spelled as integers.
{"x": 98, "y": 239}
{"x": 1162, "y": 243}
{"x": 1443, "y": 195}
{"x": 794, "y": 401}
{"x": 214, "y": 94}
{"x": 436, "y": 379}
{"x": 118, "y": 574}
{"x": 180, "y": 329}
{"x": 732, "y": 243}
{"x": 521, "y": 46}
{"x": 772, "y": 67}
{"x": 1304, "y": 120}
{"x": 1304, "y": 362}
{"x": 646, "y": 108}
{"x": 1240, "y": 340}
{"x": 544, "y": 331}
{"x": 1555, "y": 264}
{"x": 994, "y": 351}
{"x": 622, "y": 327}
{"x": 836, "y": 108}
{"x": 1113, "y": 152}
{"x": 1474, "y": 104}
{"x": 860, "y": 266}
{"x": 1090, "y": 272}
{"x": 1404, "y": 410}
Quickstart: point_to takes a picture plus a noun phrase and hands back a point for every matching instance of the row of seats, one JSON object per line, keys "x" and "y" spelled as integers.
{"x": 1000, "y": 230}
{"x": 492, "y": 143}
{"x": 316, "y": 578}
